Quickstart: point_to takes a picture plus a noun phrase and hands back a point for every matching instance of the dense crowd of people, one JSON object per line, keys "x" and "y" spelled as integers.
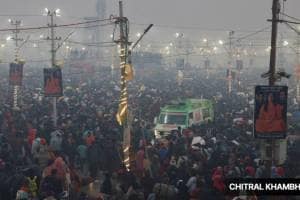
{"x": 39, "y": 161}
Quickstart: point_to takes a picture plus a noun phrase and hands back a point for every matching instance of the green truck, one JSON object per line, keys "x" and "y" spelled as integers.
{"x": 184, "y": 114}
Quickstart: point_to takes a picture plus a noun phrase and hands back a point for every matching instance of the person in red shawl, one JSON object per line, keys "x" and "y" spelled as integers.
{"x": 140, "y": 162}
{"x": 270, "y": 118}
{"x": 280, "y": 172}
{"x": 250, "y": 172}
{"x": 218, "y": 179}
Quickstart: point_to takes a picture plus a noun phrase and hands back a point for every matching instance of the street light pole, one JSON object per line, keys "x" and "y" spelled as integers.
{"x": 272, "y": 69}
{"x": 231, "y": 33}
{"x": 275, "y": 18}
{"x": 297, "y": 67}
{"x": 53, "y": 57}
{"x": 123, "y": 112}
{"x": 16, "y": 31}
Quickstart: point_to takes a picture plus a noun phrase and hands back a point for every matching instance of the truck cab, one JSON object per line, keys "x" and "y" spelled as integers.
{"x": 182, "y": 114}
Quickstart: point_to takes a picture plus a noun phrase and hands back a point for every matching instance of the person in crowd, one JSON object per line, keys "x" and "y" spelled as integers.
{"x": 87, "y": 141}
{"x": 52, "y": 185}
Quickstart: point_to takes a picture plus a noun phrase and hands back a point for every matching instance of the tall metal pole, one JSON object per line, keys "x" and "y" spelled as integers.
{"x": 297, "y": 67}
{"x": 16, "y": 88}
{"x": 275, "y": 18}
{"x": 124, "y": 95}
{"x": 53, "y": 51}
{"x": 230, "y": 62}
{"x": 272, "y": 69}
{"x": 17, "y": 23}
{"x": 180, "y": 75}
{"x": 16, "y": 31}
{"x": 207, "y": 60}
{"x": 53, "y": 63}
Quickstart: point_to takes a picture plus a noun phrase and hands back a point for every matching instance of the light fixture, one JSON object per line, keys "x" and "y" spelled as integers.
{"x": 57, "y": 12}
{"x": 268, "y": 48}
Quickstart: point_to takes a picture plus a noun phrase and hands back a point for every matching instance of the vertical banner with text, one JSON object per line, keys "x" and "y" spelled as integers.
{"x": 53, "y": 82}
{"x": 15, "y": 74}
{"x": 270, "y": 114}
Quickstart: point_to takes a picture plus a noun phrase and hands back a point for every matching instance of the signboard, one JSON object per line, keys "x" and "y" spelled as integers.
{"x": 15, "y": 74}
{"x": 270, "y": 114}
{"x": 280, "y": 151}
{"x": 53, "y": 82}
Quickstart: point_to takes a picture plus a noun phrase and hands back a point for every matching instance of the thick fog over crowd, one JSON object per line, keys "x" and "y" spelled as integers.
{"x": 149, "y": 100}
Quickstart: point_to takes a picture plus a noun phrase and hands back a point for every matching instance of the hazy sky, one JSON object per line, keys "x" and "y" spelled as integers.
{"x": 219, "y": 16}
{"x": 210, "y": 14}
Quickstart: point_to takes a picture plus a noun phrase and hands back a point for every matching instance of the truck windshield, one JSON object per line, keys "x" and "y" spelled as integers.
{"x": 172, "y": 119}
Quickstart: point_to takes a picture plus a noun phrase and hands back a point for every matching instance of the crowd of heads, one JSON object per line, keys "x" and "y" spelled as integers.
{"x": 39, "y": 160}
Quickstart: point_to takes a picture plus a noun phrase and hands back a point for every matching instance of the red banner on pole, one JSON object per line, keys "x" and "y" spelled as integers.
{"x": 53, "y": 82}
{"x": 270, "y": 115}
{"x": 15, "y": 74}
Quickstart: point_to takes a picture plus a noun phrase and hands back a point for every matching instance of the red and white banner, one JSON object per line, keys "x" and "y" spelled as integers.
{"x": 53, "y": 82}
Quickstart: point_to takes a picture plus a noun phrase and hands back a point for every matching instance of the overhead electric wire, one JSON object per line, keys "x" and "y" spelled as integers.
{"x": 56, "y": 26}
{"x": 92, "y": 26}
{"x": 252, "y": 34}
{"x": 87, "y": 43}
{"x": 293, "y": 28}
{"x": 19, "y": 15}
{"x": 286, "y": 15}
{"x": 190, "y": 27}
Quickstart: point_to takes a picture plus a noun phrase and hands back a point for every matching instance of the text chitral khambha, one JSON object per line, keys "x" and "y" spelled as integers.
{"x": 264, "y": 186}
